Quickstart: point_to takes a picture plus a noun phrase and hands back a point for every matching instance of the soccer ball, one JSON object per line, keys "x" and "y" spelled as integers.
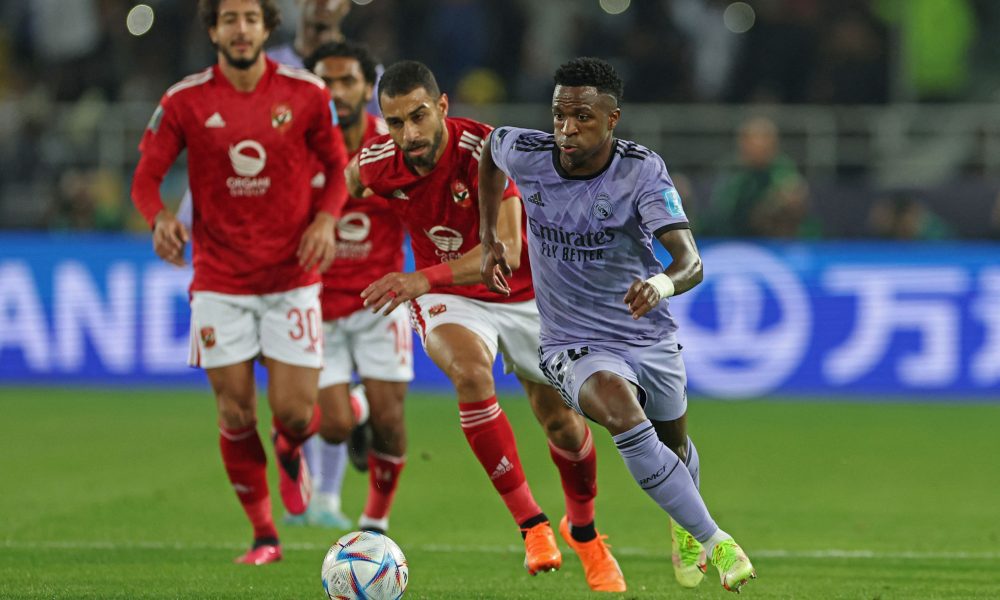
{"x": 364, "y": 565}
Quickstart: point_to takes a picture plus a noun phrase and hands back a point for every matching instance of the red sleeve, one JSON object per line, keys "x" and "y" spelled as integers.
{"x": 160, "y": 145}
{"x": 327, "y": 142}
{"x": 510, "y": 190}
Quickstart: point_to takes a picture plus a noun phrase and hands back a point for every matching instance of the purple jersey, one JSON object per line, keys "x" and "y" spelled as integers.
{"x": 590, "y": 237}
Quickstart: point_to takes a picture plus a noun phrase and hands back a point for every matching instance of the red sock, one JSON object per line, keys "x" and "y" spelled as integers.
{"x": 578, "y": 472}
{"x": 287, "y": 441}
{"x": 245, "y": 462}
{"x": 492, "y": 441}
{"x": 383, "y": 476}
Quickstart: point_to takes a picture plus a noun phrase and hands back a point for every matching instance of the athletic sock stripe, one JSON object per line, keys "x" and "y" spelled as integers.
{"x": 468, "y": 422}
{"x": 479, "y": 411}
{"x": 635, "y": 442}
{"x": 634, "y": 438}
{"x": 578, "y": 455}
{"x": 658, "y": 483}
{"x": 235, "y": 437}
{"x": 473, "y": 424}
{"x": 396, "y": 460}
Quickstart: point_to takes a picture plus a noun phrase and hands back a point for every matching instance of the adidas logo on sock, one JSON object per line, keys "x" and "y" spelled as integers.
{"x": 502, "y": 469}
{"x": 536, "y": 198}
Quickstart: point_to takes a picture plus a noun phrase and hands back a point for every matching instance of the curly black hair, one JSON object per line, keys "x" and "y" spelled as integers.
{"x": 590, "y": 71}
{"x": 208, "y": 10}
{"x": 345, "y": 50}
{"x": 405, "y": 76}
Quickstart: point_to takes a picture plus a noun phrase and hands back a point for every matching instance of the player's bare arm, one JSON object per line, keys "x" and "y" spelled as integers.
{"x": 318, "y": 245}
{"x": 169, "y": 238}
{"x": 396, "y": 288}
{"x": 352, "y": 173}
{"x": 494, "y": 266}
{"x": 683, "y": 273}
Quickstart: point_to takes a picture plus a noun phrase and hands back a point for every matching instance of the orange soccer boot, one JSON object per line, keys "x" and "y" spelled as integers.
{"x": 540, "y": 550}
{"x": 600, "y": 567}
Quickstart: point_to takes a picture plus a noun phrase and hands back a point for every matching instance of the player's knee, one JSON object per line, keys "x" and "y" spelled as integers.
{"x": 387, "y": 423}
{"x": 610, "y": 400}
{"x": 235, "y": 410}
{"x": 236, "y": 417}
{"x": 335, "y": 430}
{"x": 471, "y": 379}
{"x": 295, "y": 419}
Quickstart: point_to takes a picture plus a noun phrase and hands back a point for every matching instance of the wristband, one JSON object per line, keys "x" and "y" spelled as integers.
{"x": 662, "y": 284}
{"x": 438, "y": 275}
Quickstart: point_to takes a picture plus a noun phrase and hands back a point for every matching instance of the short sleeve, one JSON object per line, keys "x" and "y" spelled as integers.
{"x": 502, "y": 148}
{"x": 659, "y": 205}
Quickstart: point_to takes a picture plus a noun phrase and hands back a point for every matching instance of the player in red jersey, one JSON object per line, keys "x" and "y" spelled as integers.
{"x": 378, "y": 348}
{"x": 252, "y": 129}
{"x": 428, "y": 169}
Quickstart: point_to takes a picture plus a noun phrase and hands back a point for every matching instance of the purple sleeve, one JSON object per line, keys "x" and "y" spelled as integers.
{"x": 659, "y": 205}
{"x": 501, "y": 144}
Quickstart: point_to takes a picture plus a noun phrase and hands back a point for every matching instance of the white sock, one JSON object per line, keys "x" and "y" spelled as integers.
{"x": 330, "y": 502}
{"x": 718, "y": 536}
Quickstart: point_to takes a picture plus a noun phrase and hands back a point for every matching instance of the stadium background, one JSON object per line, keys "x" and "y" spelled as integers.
{"x": 865, "y": 310}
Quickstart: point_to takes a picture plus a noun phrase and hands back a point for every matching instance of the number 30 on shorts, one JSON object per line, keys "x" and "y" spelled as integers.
{"x": 308, "y": 324}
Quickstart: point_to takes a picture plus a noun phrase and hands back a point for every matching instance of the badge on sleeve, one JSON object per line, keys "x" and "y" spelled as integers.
{"x": 673, "y": 202}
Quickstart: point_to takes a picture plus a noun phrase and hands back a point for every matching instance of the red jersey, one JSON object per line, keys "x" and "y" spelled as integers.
{"x": 369, "y": 245}
{"x": 441, "y": 209}
{"x": 250, "y": 162}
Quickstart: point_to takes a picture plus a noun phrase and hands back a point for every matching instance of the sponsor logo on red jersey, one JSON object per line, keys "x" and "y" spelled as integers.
{"x": 248, "y": 159}
{"x": 445, "y": 238}
{"x": 207, "y": 336}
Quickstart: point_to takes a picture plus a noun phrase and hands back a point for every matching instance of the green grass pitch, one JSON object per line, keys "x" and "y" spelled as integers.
{"x": 121, "y": 494}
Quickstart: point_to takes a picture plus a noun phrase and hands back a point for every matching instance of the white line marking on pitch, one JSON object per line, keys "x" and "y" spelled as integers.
{"x": 448, "y": 549}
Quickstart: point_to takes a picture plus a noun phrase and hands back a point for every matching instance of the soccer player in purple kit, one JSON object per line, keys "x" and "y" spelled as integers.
{"x": 594, "y": 203}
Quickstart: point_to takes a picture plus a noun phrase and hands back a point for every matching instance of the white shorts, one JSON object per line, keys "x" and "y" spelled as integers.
{"x": 227, "y": 329}
{"x": 508, "y": 327}
{"x": 657, "y": 370}
{"x": 374, "y": 346}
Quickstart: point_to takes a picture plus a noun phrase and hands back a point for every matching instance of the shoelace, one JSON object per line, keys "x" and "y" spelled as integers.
{"x": 724, "y": 555}
{"x": 599, "y": 548}
{"x": 690, "y": 549}
{"x": 535, "y": 540}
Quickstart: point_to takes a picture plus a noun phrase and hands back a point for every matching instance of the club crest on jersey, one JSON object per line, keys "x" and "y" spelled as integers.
{"x": 207, "y": 336}
{"x": 281, "y": 116}
{"x": 437, "y": 309}
{"x": 602, "y": 207}
{"x": 460, "y": 194}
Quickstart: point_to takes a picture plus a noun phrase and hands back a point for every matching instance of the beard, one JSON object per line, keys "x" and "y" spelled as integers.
{"x": 352, "y": 117}
{"x": 427, "y": 160}
{"x": 241, "y": 63}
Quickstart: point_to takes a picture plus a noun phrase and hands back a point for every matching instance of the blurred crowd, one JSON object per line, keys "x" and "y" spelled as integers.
{"x": 79, "y": 53}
